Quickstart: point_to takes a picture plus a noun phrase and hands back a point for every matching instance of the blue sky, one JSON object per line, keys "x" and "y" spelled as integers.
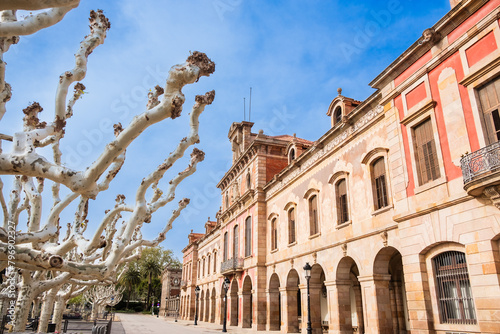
{"x": 294, "y": 54}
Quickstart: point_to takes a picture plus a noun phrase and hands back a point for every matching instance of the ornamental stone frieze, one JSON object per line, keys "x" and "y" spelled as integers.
{"x": 326, "y": 149}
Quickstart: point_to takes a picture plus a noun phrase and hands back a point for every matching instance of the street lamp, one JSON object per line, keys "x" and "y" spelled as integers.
{"x": 226, "y": 287}
{"x": 307, "y": 269}
{"x": 197, "y": 292}
{"x": 178, "y": 306}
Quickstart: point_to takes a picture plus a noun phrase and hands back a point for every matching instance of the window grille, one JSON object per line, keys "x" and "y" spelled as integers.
{"x": 456, "y": 304}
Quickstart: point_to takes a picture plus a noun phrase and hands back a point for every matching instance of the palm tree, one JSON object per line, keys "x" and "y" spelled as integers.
{"x": 131, "y": 278}
{"x": 150, "y": 268}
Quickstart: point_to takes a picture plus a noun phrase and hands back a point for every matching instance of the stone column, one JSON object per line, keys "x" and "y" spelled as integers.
{"x": 375, "y": 293}
{"x": 289, "y": 310}
{"x": 339, "y": 307}
{"x": 273, "y": 310}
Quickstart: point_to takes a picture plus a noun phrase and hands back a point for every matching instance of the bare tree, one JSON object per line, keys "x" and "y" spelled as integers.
{"x": 47, "y": 261}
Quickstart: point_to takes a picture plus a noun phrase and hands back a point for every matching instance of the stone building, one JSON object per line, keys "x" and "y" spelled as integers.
{"x": 395, "y": 207}
{"x": 170, "y": 291}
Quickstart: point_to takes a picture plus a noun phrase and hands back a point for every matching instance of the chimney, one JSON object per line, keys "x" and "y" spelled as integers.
{"x": 453, "y": 3}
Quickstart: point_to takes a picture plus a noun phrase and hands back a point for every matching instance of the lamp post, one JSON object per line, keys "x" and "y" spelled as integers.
{"x": 226, "y": 287}
{"x": 307, "y": 269}
{"x": 197, "y": 292}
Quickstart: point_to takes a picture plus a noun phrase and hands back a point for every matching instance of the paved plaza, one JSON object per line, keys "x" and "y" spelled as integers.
{"x": 147, "y": 324}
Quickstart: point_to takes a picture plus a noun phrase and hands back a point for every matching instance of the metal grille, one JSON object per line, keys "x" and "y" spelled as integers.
{"x": 481, "y": 162}
{"x": 456, "y": 304}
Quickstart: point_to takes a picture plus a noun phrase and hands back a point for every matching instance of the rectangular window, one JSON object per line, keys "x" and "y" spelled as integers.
{"x": 342, "y": 207}
{"x": 291, "y": 226}
{"x": 225, "y": 247}
{"x": 248, "y": 236}
{"x": 379, "y": 184}
{"x": 456, "y": 305}
{"x": 489, "y": 97}
{"x": 425, "y": 152}
{"x": 313, "y": 215}
{"x": 274, "y": 234}
{"x": 236, "y": 242}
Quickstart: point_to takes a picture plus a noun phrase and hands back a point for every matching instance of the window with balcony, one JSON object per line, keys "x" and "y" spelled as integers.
{"x": 379, "y": 184}
{"x": 426, "y": 159}
{"x": 274, "y": 234}
{"x": 225, "y": 246}
{"x": 248, "y": 236}
{"x": 342, "y": 203}
{"x": 455, "y": 301}
{"x": 489, "y": 96}
{"x": 236, "y": 242}
{"x": 291, "y": 226}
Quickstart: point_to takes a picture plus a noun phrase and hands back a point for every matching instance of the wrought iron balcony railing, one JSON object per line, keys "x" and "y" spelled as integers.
{"x": 481, "y": 162}
{"x": 231, "y": 265}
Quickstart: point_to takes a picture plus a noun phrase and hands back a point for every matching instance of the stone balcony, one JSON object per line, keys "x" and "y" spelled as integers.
{"x": 481, "y": 171}
{"x": 231, "y": 266}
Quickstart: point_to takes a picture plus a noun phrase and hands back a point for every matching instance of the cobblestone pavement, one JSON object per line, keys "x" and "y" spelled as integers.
{"x": 147, "y": 324}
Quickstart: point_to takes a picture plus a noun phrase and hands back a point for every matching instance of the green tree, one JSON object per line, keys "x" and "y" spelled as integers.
{"x": 153, "y": 261}
{"x": 131, "y": 278}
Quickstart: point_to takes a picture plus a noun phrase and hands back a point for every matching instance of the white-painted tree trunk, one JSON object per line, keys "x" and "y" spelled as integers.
{"x": 59, "y": 308}
{"x": 47, "y": 307}
{"x": 23, "y": 305}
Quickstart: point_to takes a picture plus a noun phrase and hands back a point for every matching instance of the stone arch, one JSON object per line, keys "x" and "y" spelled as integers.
{"x": 223, "y": 304}
{"x": 274, "y": 303}
{"x": 206, "y": 316}
{"x": 293, "y": 302}
{"x": 349, "y": 298}
{"x": 234, "y": 302}
{"x": 392, "y": 310}
{"x": 247, "y": 303}
{"x": 201, "y": 305}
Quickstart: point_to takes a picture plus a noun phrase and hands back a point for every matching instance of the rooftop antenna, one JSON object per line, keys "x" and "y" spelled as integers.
{"x": 244, "y": 109}
{"x": 250, "y": 105}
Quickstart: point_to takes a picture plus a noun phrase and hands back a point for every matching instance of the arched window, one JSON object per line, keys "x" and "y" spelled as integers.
{"x": 337, "y": 115}
{"x": 215, "y": 262}
{"x": 291, "y": 226}
{"x": 227, "y": 200}
{"x": 249, "y": 184}
{"x": 291, "y": 155}
{"x": 455, "y": 301}
{"x": 236, "y": 241}
{"x": 379, "y": 184}
{"x": 313, "y": 215}
{"x": 203, "y": 271}
{"x": 274, "y": 234}
{"x": 342, "y": 206}
{"x": 248, "y": 236}
{"x": 225, "y": 247}
{"x": 198, "y": 267}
